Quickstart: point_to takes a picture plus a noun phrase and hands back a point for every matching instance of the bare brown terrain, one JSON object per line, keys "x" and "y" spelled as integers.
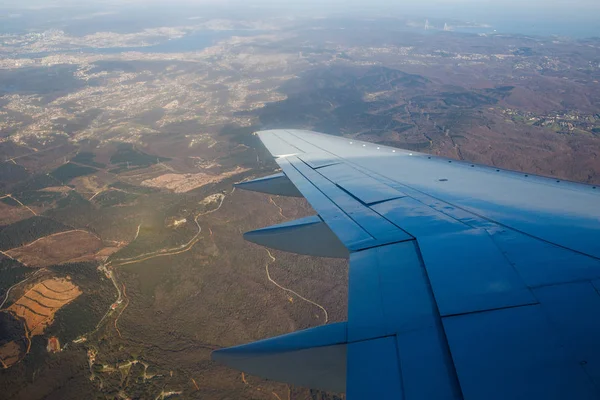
{"x": 181, "y": 183}
{"x": 36, "y": 309}
{"x": 10, "y": 353}
{"x": 57, "y": 189}
{"x": 62, "y": 247}
{"x": 10, "y": 214}
{"x": 39, "y": 304}
{"x": 53, "y": 345}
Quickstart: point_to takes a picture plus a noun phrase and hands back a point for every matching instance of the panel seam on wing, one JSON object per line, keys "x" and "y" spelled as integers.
{"x": 439, "y": 321}
{"x": 493, "y": 309}
{"x": 384, "y": 180}
{"x": 377, "y": 242}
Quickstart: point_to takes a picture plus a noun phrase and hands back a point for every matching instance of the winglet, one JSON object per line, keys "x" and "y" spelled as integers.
{"x": 277, "y": 184}
{"x": 314, "y": 358}
{"x": 309, "y": 236}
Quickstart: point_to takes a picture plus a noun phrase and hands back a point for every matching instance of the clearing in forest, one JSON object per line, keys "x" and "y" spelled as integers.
{"x": 62, "y": 247}
{"x": 39, "y": 304}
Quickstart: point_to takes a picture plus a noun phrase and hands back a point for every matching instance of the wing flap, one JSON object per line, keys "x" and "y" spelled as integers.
{"x": 514, "y": 353}
{"x": 573, "y": 308}
{"x": 309, "y": 236}
{"x": 541, "y": 263}
{"x": 360, "y": 185}
{"x": 418, "y": 219}
{"x": 319, "y": 159}
{"x": 349, "y": 232}
{"x": 382, "y": 279}
{"x": 357, "y": 226}
{"x": 382, "y": 376}
{"x": 389, "y": 296}
{"x": 460, "y": 286}
{"x": 321, "y": 352}
{"x": 468, "y": 273}
{"x": 426, "y": 366}
{"x": 277, "y": 184}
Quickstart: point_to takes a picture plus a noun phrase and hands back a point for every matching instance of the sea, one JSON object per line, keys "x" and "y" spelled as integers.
{"x": 196, "y": 41}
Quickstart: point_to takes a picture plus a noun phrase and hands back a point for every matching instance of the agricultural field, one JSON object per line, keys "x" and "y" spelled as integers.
{"x": 34, "y": 311}
{"x": 9, "y": 354}
{"x": 181, "y": 183}
{"x": 39, "y": 304}
{"x": 10, "y": 213}
{"x": 59, "y": 248}
{"x": 28, "y": 230}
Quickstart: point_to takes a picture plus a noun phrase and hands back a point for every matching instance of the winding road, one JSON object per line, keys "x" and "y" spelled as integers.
{"x": 290, "y": 290}
{"x": 18, "y": 283}
{"x": 108, "y": 268}
{"x": 271, "y": 201}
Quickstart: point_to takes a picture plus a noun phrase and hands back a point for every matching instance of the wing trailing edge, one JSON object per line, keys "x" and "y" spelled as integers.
{"x": 464, "y": 282}
{"x": 276, "y": 184}
{"x": 308, "y": 236}
{"x": 320, "y": 351}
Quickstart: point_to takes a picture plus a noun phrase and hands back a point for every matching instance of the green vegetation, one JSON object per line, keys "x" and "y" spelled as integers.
{"x": 77, "y": 124}
{"x": 87, "y": 158}
{"x": 69, "y": 171}
{"x": 72, "y": 200}
{"x": 125, "y": 168}
{"x": 155, "y": 235}
{"x": 36, "y": 182}
{"x": 114, "y": 197}
{"x": 467, "y": 99}
{"x": 73, "y": 209}
{"x": 84, "y": 313}
{"x": 524, "y": 51}
{"x": 11, "y": 272}
{"x": 10, "y": 328}
{"x": 133, "y": 188}
{"x": 39, "y": 197}
{"x": 10, "y": 201}
{"x": 28, "y": 230}
{"x": 150, "y": 117}
{"x": 499, "y": 92}
{"x": 127, "y": 154}
{"x": 11, "y": 173}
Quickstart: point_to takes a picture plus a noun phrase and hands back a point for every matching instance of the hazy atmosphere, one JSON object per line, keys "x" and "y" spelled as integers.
{"x": 125, "y": 125}
{"x": 578, "y": 18}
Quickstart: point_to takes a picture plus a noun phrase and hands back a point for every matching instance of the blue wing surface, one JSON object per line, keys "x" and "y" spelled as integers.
{"x": 465, "y": 281}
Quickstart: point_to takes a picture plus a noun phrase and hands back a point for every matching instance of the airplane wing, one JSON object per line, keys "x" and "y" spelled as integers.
{"x": 465, "y": 281}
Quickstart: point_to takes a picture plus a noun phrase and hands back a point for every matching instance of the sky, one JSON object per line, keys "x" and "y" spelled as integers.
{"x": 582, "y": 8}
{"x": 563, "y": 17}
{"x": 515, "y": 7}
{"x": 552, "y": 4}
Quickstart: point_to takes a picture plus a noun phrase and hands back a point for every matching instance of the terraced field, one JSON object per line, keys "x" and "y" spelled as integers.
{"x": 39, "y": 304}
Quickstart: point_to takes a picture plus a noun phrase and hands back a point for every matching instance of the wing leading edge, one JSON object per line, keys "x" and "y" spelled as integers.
{"x": 465, "y": 281}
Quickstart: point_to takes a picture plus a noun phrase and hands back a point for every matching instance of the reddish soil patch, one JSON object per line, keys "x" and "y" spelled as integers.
{"x": 9, "y": 354}
{"x": 53, "y": 345}
{"x": 58, "y": 248}
{"x": 39, "y": 304}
